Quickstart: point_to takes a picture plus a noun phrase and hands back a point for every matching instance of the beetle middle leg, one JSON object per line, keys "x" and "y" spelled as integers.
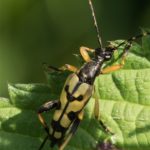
{"x": 62, "y": 68}
{"x": 69, "y": 68}
{"x": 73, "y": 129}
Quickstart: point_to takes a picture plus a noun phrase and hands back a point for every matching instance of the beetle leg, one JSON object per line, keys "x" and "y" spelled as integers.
{"x": 97, "y": 112}
{"x": 69, "y": 68}
{"x": 49, "y": 67}
{"x": 96, "y": 106}
{"x": 111, "y": 69}
{"x": 46, "y": 107}
{"x": 73, "y": 129}
{"x": 84, "y": 53}
{"x": 119, "y": 66}
{"x": 63, "y": 68}
{"x": 43, "y": 143}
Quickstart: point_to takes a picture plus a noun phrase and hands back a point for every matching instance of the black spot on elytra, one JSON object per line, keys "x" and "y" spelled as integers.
{"x": 71, "y": 115}
{"x": 70, "y": 97}
{"x": 67, "y": 88}
{"x": 80, "y": 97}
{"x": 57, "y": 127}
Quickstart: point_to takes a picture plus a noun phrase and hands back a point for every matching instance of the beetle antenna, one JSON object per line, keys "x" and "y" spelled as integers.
{"x": 95, "y": 23}
{"x": 134, "y": 38}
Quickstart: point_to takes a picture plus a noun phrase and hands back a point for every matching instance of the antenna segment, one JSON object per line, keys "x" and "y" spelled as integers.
{"x": 95, "y": 23}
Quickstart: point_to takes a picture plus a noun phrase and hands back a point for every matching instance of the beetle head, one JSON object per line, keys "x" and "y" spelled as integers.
{"x": 105, "y": 53}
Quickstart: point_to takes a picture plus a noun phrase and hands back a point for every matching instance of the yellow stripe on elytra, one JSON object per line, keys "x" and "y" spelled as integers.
{"x": 63, "y": 99}
{"x": 81, "y": 90}
{"x": 75, "y": 106}
{"x": 73, "y": 82}
{"x": 80, "y": 115}
{"x": 57, "y": 115}
{"x": 65, "y": 122}
{"x": 51, "y": 130}
{"x": 57, "y": 135}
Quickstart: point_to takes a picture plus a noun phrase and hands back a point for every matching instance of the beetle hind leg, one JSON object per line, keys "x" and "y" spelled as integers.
{"x": 43, "y": 143}
{"x": 97, "y": 112}
{"x": 44, "y": 108}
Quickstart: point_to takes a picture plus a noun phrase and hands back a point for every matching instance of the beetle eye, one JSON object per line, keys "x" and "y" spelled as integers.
{"x": 108, "y": 55}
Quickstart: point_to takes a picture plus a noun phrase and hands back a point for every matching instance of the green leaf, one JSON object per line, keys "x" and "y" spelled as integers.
{"x": 124, "y": 101}
{"x": 125, "y": 107}
{"x": 29, "y": 96}
{"x": 16, "y": 127}
{"x": 56, "y": 80}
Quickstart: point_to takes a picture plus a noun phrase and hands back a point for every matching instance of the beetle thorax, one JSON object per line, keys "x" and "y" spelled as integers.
{"x": 89, "y": 72}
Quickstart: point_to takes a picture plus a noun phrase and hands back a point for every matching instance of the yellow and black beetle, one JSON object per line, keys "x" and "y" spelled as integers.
{"x": 78, "y": 89}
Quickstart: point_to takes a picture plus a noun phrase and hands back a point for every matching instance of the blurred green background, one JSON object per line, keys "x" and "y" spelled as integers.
{"x": 37, "y": 31}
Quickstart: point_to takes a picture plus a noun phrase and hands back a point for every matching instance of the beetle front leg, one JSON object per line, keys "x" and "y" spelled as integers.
{"x": 125, "y": 52}
{"x": 119, "y": 66}
{"x": 84, "y": 53}
{"x": 114, "y": 67}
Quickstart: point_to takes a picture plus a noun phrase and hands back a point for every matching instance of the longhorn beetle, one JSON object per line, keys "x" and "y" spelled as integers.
{"x": 78, "y": 89}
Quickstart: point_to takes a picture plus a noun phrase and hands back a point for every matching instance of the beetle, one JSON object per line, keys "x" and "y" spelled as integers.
{"x": 78, "y": 89}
